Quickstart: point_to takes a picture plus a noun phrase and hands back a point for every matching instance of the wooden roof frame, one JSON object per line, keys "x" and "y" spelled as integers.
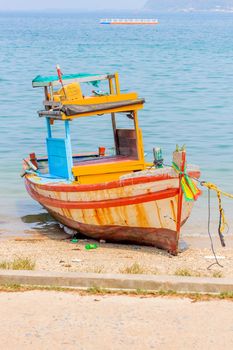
{"x": 68, "y": 80}
{"x": 130, "y": 101}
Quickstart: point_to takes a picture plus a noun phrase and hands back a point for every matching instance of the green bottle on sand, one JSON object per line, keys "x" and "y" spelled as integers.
{"x": 91, "y": 246}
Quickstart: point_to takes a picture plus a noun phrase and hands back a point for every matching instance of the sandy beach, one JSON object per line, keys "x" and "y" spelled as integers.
{"x": 60, "y": 254}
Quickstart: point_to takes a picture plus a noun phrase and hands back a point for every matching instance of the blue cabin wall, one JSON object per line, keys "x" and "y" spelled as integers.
{"x": 59, "y": 153}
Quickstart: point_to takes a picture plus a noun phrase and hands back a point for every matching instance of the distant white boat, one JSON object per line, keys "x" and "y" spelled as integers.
{"x": 128, "y": 21}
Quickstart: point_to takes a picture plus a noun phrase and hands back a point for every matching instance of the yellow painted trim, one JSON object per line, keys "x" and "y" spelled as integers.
{"x": 108, "y": 168}
{"x": 99, "y": 178}
{"x": 89, "y": 100}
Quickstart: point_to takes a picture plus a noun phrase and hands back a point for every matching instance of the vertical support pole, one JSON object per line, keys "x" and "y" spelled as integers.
{"x": 115, "y": 133}
{"x": 51, "y": 91}
{"x": 67, "y": 129}
{"x": 111, "y": 87}
{"x": 49, "y": 136}
{"x": 49, "y": 129}
{"x": 180, "y": 162}
{"x": 46, "y": 93}
{"x": 69, "y": 149}
{"x": 140, "y": 149}
{"x": 117, "y": 84}
{"x": 111, "y": 90}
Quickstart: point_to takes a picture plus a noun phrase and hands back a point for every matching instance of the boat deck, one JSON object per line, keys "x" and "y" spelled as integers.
{"x": 86, "y": 160}
{"x": 101, "y": 160}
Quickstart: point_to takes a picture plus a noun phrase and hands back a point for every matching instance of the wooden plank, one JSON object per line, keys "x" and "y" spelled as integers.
{"x": 128, "y": 151}
{"x": 126, "y": 142}
{"x": 127, "y": 133}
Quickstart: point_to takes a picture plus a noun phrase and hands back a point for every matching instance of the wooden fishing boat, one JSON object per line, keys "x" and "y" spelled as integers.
{"x": 116, "y": 197}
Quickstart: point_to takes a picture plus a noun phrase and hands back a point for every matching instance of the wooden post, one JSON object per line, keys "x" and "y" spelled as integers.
{"x": 179, "y": 158}
{"x": 69, "y": 149}
{"x": 140, "y": 149}
{"x": 111, "y": 87}
{"x": 111, "y": 90}
{"x": 67, "y": 129}
{"x": 51, "y": 91}
{"x": 117, "y": 84}
{"x": 49, "y": 129}
{"x": 46, "y": 93}
{"x": 115, "y": 133}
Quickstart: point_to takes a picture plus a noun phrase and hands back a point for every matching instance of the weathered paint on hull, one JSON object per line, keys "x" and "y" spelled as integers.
{"x": 140, "y": 210}
{"x": 161, "y": 238}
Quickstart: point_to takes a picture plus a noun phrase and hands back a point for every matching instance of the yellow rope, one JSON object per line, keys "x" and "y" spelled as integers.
{"x": 219, "y": 192}
{"x": 222, "y": 219}
{"x": 212, "y": 186}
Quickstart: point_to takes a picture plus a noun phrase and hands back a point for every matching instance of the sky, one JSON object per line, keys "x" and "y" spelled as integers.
{"x": 79, "y": 5}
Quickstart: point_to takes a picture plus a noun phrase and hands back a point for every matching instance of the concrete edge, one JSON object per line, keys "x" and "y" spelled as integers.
{"x": 118, "y": 281}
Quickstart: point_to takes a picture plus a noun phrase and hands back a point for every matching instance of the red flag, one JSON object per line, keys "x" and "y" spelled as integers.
{"x": 59, "y": 73}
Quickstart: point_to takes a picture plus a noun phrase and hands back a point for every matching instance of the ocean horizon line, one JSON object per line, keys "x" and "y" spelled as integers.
{"x": 128, "y": 11}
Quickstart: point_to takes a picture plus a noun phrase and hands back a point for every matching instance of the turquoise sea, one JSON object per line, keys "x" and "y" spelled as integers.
{"x": 183, "y": 67}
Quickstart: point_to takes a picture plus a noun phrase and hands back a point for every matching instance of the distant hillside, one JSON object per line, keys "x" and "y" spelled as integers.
{"x": 189, "y": 5}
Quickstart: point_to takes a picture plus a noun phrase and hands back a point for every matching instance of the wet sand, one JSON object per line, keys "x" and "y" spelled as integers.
{"x": 58, "y": 320}
{"x": 58, "y": 253}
